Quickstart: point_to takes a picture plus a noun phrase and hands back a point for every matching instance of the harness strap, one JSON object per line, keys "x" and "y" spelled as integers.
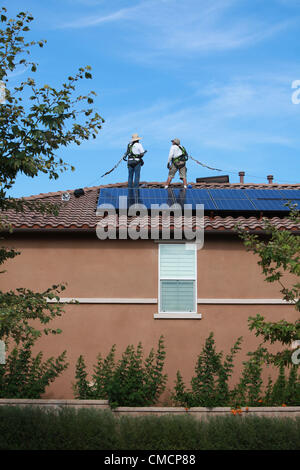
{"x": 183, "y": 156}
{"x": 130, "y": 153}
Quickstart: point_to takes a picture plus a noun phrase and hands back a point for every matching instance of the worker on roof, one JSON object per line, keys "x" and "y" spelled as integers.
{"x": 134, "y": 156}
{"x": 176, "y": 161}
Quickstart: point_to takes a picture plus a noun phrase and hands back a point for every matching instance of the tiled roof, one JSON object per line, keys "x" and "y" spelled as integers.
{"x": 80, "y": 213}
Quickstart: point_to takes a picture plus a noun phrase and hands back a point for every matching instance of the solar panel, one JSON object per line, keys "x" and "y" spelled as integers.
{"x": 149, "y": 196}
{"x": 273, "y": 199}
{"x": 110, "y": 197}
{"x": 217, "y": 194}
{"x": 159, "y": 196}
{"x": 291, "y": 193}
{"x": 231, "y": 200}
{"x": 234, "y": 205}
{"x": 270, "y": 205}
{"x": 199, "y": 196}
{"x": 264, "y": 193}
{"x": 212, "y": 199}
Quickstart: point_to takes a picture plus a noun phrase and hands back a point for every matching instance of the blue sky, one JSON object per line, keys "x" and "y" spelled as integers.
{"x": 217, "y": 74}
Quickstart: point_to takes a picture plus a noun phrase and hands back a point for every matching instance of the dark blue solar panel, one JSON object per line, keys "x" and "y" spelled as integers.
{"x": 273, "y": 199}
{"x": 107, "y": 197}
{"x": 110, "y": 196}
{"x": 291, "y": 194}
{"x": 234, "y": 205}
{"x": 231, "y": 200}
{"x": 264, "y": 193}
{"x": 197, "y": 196}
{"x": 217, "y": 194}
{"x": 143, "y": 196}
{"x": 212, "y": 199}
{"x": 149, "y": 196}
{"x": 270, "y": 205}
{"x": 159, "y": 196}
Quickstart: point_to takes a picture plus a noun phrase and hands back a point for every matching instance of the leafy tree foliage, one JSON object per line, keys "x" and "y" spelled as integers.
{"x": 279, "y": 258}
{"x": 36, "y": 121}
{"x": 32, "y": 132}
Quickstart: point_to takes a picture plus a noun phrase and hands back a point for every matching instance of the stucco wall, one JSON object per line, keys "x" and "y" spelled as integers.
{"x": 128, "y": 269}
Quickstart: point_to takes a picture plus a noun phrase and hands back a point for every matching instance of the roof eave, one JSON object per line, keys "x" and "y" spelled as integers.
{"x": 210, "y": 230}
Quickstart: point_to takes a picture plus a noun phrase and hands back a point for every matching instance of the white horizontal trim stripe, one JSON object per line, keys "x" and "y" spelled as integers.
{"x": 101, "y": 300}
{"x": 245, "y": 301}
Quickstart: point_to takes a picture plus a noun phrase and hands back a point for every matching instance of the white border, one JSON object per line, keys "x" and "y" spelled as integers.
{"x": 190, "y": 279}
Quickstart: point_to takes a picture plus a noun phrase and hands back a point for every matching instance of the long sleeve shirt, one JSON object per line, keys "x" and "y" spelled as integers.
{"x": 175, "y": 152}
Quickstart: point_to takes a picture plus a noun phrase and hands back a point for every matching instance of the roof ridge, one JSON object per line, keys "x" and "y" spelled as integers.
{"x": 162, "y": 184}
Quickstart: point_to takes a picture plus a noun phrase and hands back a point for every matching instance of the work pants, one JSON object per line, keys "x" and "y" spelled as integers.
{"x": 134, "y": 176}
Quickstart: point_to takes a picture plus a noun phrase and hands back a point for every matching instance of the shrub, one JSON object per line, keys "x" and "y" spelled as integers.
{"x": 24, "y": 318}
{"x": 285, "y": 390}
{"x": 90, "y": 429}
{"x": 209, "y": 386}
{"x": 34, "y": 428}
{"x": 249, "y": 390}
{"x": 25, "y": 376}
{"x": 128, "y": 382}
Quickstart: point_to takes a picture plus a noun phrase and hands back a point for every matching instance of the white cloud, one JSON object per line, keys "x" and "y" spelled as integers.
{"x": 97, "y": 20}
{"x": 206, "y": 39}
{"x": 230, "y": 116}
{"x": 190, "y": 26}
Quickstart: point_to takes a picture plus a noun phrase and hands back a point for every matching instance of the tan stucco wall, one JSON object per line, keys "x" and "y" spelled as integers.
{"x": 128, "y": 269}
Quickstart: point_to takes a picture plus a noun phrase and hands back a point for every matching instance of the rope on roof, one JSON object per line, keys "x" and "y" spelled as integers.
{"x": 202, "y": 164}
{"x": 117, "y": 164}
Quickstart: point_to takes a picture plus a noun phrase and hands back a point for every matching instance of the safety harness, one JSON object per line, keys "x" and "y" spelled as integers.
{"x": 179, "y": 162}
{"x": 132, "y": 158}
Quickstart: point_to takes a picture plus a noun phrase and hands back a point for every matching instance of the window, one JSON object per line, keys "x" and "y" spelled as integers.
{"x": 177, "y": 278}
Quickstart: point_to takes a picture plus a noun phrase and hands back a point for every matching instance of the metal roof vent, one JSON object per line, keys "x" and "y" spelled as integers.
{"x": 65, "y": 197}
{"x": 213, "y": 179}
{"x": 78, "y": 192}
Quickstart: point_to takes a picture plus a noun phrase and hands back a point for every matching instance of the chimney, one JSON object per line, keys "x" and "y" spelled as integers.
{"x": 241, "y": 175}
{"x": 270, "y": 179}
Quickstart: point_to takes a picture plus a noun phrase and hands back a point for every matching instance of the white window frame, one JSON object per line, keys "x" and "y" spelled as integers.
{"x": 192, "y": 314}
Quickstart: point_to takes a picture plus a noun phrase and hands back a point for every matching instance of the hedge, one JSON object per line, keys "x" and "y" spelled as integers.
{"x": 89, "y": 429}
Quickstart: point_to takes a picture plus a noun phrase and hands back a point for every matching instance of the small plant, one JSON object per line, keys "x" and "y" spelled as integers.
{"x": 251, "y": 392}
{"x": 286, "y": 391}
{"x": 280, "y": 388}
{"x": 293, "y": 387}
{"x": 249, "y": 389}
{"x": 128, "y": 382}
{"x": 209, "y": 386}
{"x": 24, "y": 318}
{"x": 25, "y": 376}
{"x": 82, "y": 389}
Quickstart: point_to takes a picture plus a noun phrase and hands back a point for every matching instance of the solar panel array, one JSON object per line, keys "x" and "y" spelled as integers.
{"x": 273, "y": 200}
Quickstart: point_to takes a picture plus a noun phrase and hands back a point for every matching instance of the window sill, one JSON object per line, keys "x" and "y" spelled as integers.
{"x": 178, "y": 316}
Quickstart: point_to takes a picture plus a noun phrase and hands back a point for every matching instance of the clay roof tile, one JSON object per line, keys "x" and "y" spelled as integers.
{"x": 80, "y": 213}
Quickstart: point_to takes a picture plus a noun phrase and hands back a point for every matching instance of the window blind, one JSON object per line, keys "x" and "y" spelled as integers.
{"x": 177, "y": 296}
{"x": 176, "y": 262}
{"x": 177, "y": 278}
